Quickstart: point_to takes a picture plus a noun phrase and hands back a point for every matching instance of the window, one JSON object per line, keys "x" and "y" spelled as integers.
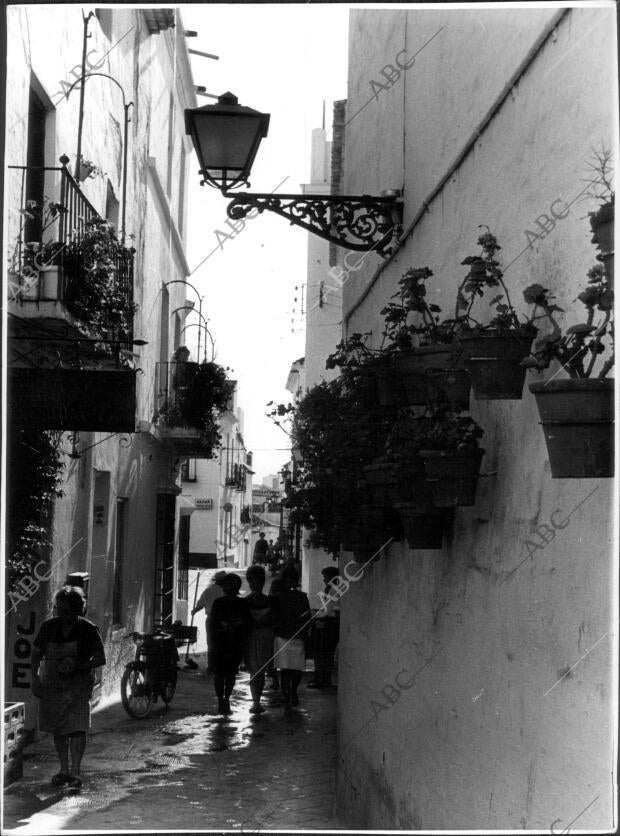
{"x": 188, "y": 470}
{"x": 170, "y": 146}
{"x": 165, "y": 319}
{"x": 35, "y": 160}
{"x": 111, "y": 206}
{"x": 177, "y": 330}
{"x": 104, "y": 16}
{"x": 164, "y": 560}
{"x": 119, "y": 560}
{"x": 181, "y": 207}
{"x": 183, "y": 573}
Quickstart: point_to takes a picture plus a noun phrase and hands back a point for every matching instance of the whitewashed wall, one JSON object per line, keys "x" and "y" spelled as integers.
{"x": 484, "y": 737}
{"x": 46, "y": 41}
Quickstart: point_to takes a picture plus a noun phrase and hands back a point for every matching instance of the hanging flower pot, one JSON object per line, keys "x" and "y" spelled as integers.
{"x": 577, "y": 416}
{"x": 85, "y": 171}
{"x": 383, "y": 524}
{"x": 453, "y": 475}
{"x": 383, "y": 480}
{"x": 434, "y": 372}
{"x": 424, "y": 527}
{"x": 389, "y": 389}
{"x": 361, "y": 538}
{"x": 493, "y": 360}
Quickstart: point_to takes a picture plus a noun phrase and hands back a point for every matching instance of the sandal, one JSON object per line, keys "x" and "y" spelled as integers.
{"x": 60, "y": 778}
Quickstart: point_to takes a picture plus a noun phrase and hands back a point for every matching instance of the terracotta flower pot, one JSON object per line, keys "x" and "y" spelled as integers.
{"x": 453, "y": 475}
{"x": 493, "y": 360}
{"x": 578, "y": 421}
{"x": 388, "y": 384}
{"x": 382, "y": 480}
{"x": 423, "y": 527}
{"x": 433, "y": 372}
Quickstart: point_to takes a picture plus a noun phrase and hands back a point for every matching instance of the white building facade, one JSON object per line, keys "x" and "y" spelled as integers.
{"x": 473, "y": 696}
{"x": 119, "y": 521}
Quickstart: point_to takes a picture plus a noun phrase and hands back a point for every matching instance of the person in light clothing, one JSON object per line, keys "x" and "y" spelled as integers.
{"x": 292, "y": 622}
{"x": 205, "y": 602}
{"x": 66, "y": 652}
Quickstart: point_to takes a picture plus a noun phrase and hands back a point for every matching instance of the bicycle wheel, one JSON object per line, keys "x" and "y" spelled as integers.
{"x": 168, "y": 685}
{"x": 136, "y": 694}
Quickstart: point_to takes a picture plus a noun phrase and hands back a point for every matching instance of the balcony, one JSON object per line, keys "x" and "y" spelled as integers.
{"x": 70, "y": 312}
{"x": 187, "y": 408}
{"x": 67, "y": 262}
{"x": 237, "y": 480}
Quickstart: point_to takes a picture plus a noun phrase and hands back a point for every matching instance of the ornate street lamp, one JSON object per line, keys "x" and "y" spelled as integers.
{"x": 226, "y": 137}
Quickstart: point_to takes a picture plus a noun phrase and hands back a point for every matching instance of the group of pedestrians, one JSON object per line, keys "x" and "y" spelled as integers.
{"x": 266, "y": 632}
{"x": 268, "y": 553}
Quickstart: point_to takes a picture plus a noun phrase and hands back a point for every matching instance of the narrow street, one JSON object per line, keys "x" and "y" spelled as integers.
{"x": 188, "y": 768}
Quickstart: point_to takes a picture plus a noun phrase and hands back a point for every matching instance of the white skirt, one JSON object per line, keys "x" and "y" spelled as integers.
{"x": 289, "y": 654}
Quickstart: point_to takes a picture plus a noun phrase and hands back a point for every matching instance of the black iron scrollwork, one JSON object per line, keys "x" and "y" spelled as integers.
{"x": 357, "y": 222}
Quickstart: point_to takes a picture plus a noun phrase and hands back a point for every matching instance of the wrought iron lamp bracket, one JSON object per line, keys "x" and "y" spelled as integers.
{"x": 356, "y": 222}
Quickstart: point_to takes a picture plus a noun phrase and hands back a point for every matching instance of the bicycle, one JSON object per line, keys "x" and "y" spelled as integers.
{"x": 151, "y": 674}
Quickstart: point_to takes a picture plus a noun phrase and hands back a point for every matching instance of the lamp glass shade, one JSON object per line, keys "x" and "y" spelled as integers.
{"x": 226, "y": 137}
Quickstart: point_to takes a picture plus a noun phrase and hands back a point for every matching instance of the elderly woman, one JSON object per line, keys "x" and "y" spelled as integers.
{"x": 228, "y": 627}
{"x": 66, "y": 651}
{"x": 259, "y": 643}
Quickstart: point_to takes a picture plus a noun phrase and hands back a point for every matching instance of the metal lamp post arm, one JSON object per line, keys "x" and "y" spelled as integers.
{"x": 357, "y": 222}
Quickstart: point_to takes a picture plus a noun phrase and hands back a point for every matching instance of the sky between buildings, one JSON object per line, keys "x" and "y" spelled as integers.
{"x": 283, "y": 60}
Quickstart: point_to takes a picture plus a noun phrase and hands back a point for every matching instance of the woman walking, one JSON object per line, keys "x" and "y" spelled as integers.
{"x": 66, "y": 651}
{"x": 259, "y": 643}
{"x": 292, "y": 620}
{"x": 228, "y": 627}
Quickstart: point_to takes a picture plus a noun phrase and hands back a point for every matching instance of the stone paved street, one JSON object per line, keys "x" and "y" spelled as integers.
{"x": 190, "y": 769}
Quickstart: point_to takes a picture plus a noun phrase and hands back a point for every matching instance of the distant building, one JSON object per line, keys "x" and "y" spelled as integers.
{"x": 220, "y": 491}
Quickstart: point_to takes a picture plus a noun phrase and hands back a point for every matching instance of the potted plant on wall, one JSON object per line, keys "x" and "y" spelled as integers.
{"x": 425, "y": 351}
{"x": 423, "y": 523}
{"x": 87, "y": 169}
{"x": 577, "y": 412}
{"x": 94, "y": 292}
{"x": 40, "y": 259}
{"x": 493, "y": 352}
{"x": 452, "y": 458}
{"x": 376, "y": 379}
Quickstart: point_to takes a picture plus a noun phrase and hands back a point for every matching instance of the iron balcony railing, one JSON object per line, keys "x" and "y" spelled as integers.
{"x": 34, "y": 262}
{"x": 177, "y": 396}
{"x": 237, "y": 478}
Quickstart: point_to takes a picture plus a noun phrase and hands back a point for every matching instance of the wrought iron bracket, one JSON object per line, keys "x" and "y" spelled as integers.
{"x": 357, "y": 222}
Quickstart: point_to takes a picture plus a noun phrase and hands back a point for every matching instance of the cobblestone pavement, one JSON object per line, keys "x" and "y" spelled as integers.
{"x": 190, "y": 769}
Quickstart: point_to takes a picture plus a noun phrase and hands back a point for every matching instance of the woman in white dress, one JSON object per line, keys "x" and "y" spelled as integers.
{"x": 292, "y": 621}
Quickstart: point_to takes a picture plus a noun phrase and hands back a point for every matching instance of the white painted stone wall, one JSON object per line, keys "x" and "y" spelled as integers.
{"x": 47, "y": 42}
{"x": 488, "y": 728}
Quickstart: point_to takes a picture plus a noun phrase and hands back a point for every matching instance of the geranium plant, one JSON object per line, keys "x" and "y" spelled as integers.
{"x": 580, "y": 345}
{"x": 485, "y": 273}
{"x": 95, "y": 294}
